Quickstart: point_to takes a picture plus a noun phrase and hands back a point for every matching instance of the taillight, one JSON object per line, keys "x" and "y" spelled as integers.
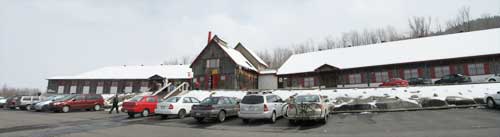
{"x": 265, "y": 108}
{"x": 170, "y": 106}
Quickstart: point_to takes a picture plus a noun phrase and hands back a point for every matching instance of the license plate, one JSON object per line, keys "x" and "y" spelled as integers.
{"x": 163, "y": 107}
{"x": 197, "y": 114}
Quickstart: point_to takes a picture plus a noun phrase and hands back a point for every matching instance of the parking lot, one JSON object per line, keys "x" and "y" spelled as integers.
{"x": 448, "y": 122}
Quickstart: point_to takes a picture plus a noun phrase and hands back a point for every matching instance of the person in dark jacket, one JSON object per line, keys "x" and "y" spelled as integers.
{"x": 115, "y": 105}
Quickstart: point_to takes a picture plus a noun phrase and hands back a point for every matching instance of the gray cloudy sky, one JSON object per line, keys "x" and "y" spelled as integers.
{"x": 44, "y": 38}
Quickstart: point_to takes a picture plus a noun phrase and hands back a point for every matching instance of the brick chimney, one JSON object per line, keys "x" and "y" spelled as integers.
{"x": 209, "y": 36}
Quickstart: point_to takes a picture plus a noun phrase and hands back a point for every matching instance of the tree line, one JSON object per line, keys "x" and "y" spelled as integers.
{"x": 7, "y": 91}
{"x": 418, "y": 27}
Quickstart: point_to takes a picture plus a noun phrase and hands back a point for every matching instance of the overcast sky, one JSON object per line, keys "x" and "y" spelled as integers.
{"x": 44, "y": 38}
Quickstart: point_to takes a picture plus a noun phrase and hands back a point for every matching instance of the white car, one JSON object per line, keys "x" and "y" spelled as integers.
{"x": 261, "y": 105}
{"x": 494, "y": 78}
{"x": 492, "y": 100}
{"x": 24, "y": 103}
{"x": 177, "y": 105}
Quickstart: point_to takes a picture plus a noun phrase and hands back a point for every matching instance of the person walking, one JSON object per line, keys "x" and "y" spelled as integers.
{"x": 115, "y": 105}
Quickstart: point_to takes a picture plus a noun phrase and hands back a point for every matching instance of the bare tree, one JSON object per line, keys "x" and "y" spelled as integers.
{"x": 419, "y": 27}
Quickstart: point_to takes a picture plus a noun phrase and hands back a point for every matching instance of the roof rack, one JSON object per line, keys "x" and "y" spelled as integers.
{"x": 257, "y": 92}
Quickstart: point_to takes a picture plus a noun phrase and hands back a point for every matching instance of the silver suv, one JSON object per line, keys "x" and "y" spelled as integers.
{"x": 260, "y": 105}
{"x": 308, "y": 107}
{"x": 24, "y": 102}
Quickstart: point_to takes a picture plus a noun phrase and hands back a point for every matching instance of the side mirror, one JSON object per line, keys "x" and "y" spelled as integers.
{"x": 498, "y": 92}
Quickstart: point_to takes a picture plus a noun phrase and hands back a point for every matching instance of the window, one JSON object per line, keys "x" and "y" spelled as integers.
{"x": 270, "y": 99}
{"x": 194, "y": 100}
{"x": 354, "y": 78}
{"x": 144, "y": 84}
{"x": 441, "y": 71}
{"x": 213, "y": 63}
{"x": 150, "y": 99}
{"x": 222, "y": 77}
{"x": 308, "y": 82}
{"x": 202, "y": 79}
{"x": 476, "y": 69}
{"x": 81, "y": 97}
{"x": 226, "y": 101}
{"x": 26, "y": 99}
{"x": 186, "y": 100}
{"x": 381, "y": 76}
{"x": 411, "y": 73}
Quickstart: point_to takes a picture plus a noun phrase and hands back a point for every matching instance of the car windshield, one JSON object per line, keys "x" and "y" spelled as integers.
{"x": 306, "y": 98}
{"x": 67, "y": 97}
{"x": 172, "y": 99}
{"x": 210, "y": 101}
{"x": 252, "y": 100}
{"x": 136, "y": 99}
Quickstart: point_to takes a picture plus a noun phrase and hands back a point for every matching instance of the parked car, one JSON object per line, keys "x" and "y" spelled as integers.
{"x": 453, "y": 79}
{"x": 494, "y": 78}
{"x": 11, "y": 102}
{"x": 44, "y": 104}
{"x": 75, "y": 102}
{"x": 394, "y": 82}
{"x": 176, "y": 106}
{"x": 260, "y": 105}
{"x": 419, "y": 81}
{"x": 2, "y": 101}
{"x": 492, "y": 100}
{"x": 24, "y": 102}
{"x": 215, "y": 107}
{"x": 308, "y": 107}
{"x": 145, "y": 105}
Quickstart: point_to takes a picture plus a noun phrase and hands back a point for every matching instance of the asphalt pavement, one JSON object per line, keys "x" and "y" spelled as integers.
{"x": 468, "y": 122}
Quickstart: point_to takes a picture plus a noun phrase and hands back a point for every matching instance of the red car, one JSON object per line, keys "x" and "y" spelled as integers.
{"x": 145, "y": 105}
{"x": 73, "y": 102}
{"x": 395, "y": 82}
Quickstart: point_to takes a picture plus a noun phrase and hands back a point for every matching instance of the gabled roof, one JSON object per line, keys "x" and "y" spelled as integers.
{"x": 255, "y": 56}
{"x": 468, "y": 44}
{"x": 135, "y": 72}
{"x": 235, "y": 55}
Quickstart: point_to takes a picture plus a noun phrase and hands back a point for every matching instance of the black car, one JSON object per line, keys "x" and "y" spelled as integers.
{"x": 453, "y": 78}
{"x": 419, "y": 81}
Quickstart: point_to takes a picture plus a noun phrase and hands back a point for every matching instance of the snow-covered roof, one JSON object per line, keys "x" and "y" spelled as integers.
{"x": 268, "y": 71}
{"x": 477, "y": 43}
{"x": 255, "y": 56}
{"x": 237, "y": 57}
{"x": 135, "y": 72}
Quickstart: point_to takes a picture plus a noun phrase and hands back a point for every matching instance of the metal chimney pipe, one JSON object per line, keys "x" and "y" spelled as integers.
{"x": 209, "y": 36}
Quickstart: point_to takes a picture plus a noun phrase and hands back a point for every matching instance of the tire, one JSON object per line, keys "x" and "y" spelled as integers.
{"x": 97, "y": 107}
{"x": 199, "y": 119}
{"x": 221, "y": 117}
{"x": 28, "y": 107}
{"x": 492, "y": 80}
{"x": 131, "y": 115}
{"x": 145, "y": 113}
{"x": 273, "y": 118}
{"x": 65, "y": 109}
{"x": 181, "y": 114}
{"x": 490, "y": 103}
{"x": 245, "y": 121}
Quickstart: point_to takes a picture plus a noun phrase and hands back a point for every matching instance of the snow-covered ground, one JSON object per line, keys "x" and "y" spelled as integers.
{"x": 405, "y": 93}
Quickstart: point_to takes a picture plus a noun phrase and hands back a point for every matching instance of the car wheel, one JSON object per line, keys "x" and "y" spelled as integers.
{"x": 97, "y": 107}
{"x": 181, "y": 114}
{"x": 131, "y": 115}
{"x": 28, "y": 107}
{"x": 492, "y": 80}
{"x": 65, "y": 109}
{"x": 273, "y": 117}
{"x": 145, "y": 113}
{"x": 246, "y": 121}
{"x": 221, "y": 116}
{"x": 490, "y": 103}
